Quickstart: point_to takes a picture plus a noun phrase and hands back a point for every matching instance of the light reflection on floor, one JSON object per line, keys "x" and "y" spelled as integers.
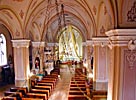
{"x": 61, "y": 90}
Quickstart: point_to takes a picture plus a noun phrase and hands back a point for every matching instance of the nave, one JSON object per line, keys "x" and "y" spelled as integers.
{"x": 72, "y": 84}
{"x": 62, "y": 88}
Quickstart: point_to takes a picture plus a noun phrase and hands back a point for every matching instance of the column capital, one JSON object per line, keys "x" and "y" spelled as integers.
{"x": 52, "y": 44}
{"x": 101, "y": 41}
{"x": 20, "y": 43}
{"x": 38, "y": 44}
{"x": 84, "y": 43}
{"x": 121, "y": 37}
{"x": 97, "y": 41}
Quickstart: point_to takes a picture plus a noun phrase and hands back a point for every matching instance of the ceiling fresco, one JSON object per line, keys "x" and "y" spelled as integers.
{"x": 39, "y": 18}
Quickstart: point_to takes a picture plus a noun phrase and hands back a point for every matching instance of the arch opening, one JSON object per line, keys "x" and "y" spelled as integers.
{"x": 70, "y": 44}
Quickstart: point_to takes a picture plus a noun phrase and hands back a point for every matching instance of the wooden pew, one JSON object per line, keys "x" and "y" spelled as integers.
{"x": 51, "y": 79}
{"x": 13, "y": 94}
{"x": 43, "y": 87}
{"x": 40, "y": 91}
{"x": 23, "y": 90}
{"x": 77, "y": 88}
{"x": 45, "y": 84}
{"x": 52, "y": 76}
{"x": 99, "y": 97}
{"x": 33, "y": 83}
{"x": 77, "y": 97}
{"x": 37, "y": 95}
{"x": 77, "y": 82}
{"x": 77, "y": 79}
{"x": 77, "y": 85}
{"x": 31, "y": 99}
{"x": 77, "y": 92}
{"x": 9, "y": 98}
{"x": 98, "y": 94}
{"x": 48, "y": 81}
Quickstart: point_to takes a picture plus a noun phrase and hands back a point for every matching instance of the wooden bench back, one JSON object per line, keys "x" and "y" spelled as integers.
{"x": 9, "y": 98}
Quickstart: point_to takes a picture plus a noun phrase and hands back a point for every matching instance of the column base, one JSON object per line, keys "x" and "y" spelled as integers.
{"x": 100, "y": 86}
{"x": 23, "y": 83}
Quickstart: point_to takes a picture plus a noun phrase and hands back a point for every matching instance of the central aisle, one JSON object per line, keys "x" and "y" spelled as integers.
{"x": 61, "y": 90}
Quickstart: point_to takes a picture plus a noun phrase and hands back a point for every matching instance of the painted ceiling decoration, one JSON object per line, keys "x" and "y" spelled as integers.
{"x": 105, "y": 10}
{"x": 131, "y": 15}
{"x": 94, "y": 10}
{"x": 21, "y": 14}
{"x": 102, "y": 30}
{"x": 88, "y": 16}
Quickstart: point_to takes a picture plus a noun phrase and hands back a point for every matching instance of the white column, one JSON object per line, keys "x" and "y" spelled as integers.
{"x": 84, "y": 50}
{"x": 38, "y": 51}
{"x": 21, "y": 62}
{"x": 100, "y": 67}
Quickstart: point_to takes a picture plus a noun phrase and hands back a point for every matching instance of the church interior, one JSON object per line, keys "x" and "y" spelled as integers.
{"x": 68, "y": 49}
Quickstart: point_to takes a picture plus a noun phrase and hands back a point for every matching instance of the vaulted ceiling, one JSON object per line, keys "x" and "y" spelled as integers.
{"x": 31, "y": 18}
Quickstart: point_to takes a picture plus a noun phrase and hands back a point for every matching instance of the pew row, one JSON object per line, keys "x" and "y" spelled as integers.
{"x": 13, "y": 94}
{"x": 77, "y": 97}
{"x": 98, "y": 94}
{"x": 40, "y": 91}
{"x": 99, "y": 97}
{"x": 43, "y": 87}
{"x": 37, "y": 95}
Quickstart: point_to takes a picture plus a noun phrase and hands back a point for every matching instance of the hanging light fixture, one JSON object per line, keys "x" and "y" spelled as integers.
{"x": 39, "y": 52}
{"x": 59, "y": 17}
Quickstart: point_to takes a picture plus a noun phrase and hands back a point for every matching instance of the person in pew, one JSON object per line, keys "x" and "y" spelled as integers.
{"x": 33, "y": 76}
{"x": 37, "y": 75}
{"x": 40, "y": 75}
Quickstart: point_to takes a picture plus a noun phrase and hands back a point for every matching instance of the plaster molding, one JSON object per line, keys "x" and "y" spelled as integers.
{"x": 20, "y": 43}
{"x": 38, "y": 44}
{"x": 120, "y": 37}
{"x": 131, "y": 58}
{"x": 98, "y": 80}
{"x": 51, "y": 44}
{"x": 84, "y": 43}
{"x": 98, "y": 41}
{"x": 102, "y": 41}
{"x": 89, "y": 42}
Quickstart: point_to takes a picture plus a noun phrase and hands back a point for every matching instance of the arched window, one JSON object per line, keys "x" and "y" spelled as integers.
{"x": 3, "y": 50}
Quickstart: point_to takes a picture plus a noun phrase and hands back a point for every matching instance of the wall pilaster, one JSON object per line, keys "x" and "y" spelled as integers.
{"x": 122, "y": 67}
{"x": 21, "y": 62}
{"x": 100, "y": 67}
